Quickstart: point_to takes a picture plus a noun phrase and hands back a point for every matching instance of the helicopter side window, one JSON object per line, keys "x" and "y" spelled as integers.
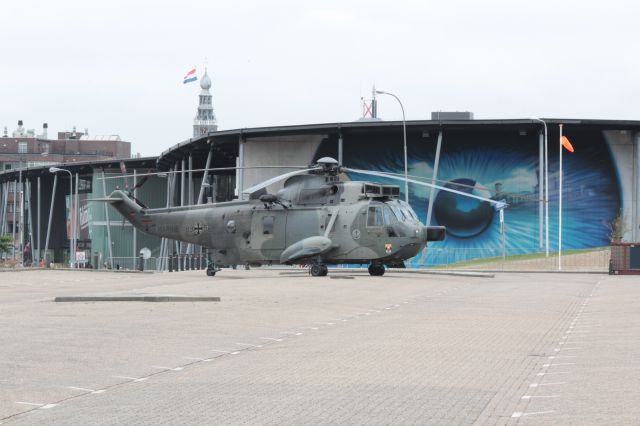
{"x": 267, "y": 225}
{"x": 375, "y": 216}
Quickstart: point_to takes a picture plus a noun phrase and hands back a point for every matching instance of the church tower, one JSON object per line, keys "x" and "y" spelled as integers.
{"x": 205, "y": 121}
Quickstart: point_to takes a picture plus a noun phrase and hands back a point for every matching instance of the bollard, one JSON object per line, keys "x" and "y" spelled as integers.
{"x": 170, "y": 262}
{"x": 141, "y": 263}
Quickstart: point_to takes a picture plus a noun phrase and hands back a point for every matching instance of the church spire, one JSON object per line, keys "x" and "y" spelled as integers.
{"x": 205, "y": 120}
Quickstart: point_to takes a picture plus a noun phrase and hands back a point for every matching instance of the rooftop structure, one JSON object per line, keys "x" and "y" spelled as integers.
{"x": 205, "y": 120}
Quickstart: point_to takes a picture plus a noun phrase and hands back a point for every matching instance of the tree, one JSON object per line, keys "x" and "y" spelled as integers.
{"x": 5, "y": 243}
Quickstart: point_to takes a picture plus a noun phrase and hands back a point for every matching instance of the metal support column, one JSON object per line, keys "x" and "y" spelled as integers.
{"x": 30, "y": 221}
{"x": 434, "y": 178}
{"x": 135, "y": 230}
{"x": 13, "y": 225}
{"x": 340, "y": 157}
{"x": 560, "y": 206}
{"x": 240, "y": 182}
{"x": 190, "y": 194}
{"x": 182, "y": 185}
{"x": 75, "y": 222}
{"x": 5, "y": 204}
{"x": 21, "y": 246}
{"x": 205, "y": 176}
{"x": 3, "y": 193}
{"x": 540, "y": 190}
{"x": 38, "y": 222}
{"x": 106, "y": 216}
{"x": 53, "y": 203}
{"x": 174, "y": 188}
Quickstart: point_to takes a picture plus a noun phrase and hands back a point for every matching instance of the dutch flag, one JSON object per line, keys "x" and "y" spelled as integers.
{"x": 191, "y": 76}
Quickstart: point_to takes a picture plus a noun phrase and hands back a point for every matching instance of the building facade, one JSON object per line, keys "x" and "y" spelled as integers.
{"x": 25, "y": 149}
{"x": 499, "y": 159}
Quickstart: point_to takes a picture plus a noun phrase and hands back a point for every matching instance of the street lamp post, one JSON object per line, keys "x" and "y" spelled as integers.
{"x": 546, "y": 185}
{"x": 404, "y": 134}
{"x": 72, "y": 248}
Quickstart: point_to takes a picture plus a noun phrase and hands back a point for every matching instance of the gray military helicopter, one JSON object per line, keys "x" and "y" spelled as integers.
{"x": 316, "y": 219}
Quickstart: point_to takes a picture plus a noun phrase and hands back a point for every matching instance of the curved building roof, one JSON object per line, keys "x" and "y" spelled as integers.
{"x": 225, "y": 142}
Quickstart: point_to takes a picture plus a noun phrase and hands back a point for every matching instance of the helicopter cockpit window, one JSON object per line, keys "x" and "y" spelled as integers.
{"x": 409, "y": 211}
{"x": 375, "y": 216}
{"x": 403, "y": 211}
{"x": 398, "y": 212}
{"x": 389, "y": 216}
{"x": 267, "y": 225}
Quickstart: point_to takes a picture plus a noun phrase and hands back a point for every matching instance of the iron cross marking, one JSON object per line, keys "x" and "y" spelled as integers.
{"x": 198, "y": 229}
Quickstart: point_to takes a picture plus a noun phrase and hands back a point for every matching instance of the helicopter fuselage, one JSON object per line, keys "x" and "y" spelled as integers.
{"x": 314, "y": 219}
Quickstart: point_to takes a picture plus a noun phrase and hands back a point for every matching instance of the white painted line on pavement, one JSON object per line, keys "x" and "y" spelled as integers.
{"x": 225, "y": 352}
{"x": 198, "y": 359}
{"x": 249, "y": 344}
{"x": 521, "y": 414}
{"x": 87, "y": 390}
{"x": 135, "y": 379}
{"x": 166, "y": 368}
{"x": 540, "y": 396}
{"x": 559, "y": 363}
{"x": 535, "y": 385}
{"x": 271, "y": 338}
{"x": 30, "y": 403}
{"x": 552, "y": 372}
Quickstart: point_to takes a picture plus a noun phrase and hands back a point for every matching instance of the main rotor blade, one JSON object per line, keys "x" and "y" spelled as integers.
{"x": 201, "y": 170}
{"x": 277, "y": 179}
{"x": 429, "y": 185}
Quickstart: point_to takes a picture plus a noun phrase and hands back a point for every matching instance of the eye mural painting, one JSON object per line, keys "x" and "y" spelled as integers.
{"x": 502, "y": 164}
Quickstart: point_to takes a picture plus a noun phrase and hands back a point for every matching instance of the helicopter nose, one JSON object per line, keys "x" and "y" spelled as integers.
{"x": 433, "y": 233}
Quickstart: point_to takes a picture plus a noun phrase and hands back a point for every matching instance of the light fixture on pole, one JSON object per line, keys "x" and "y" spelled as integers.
{"x": 404, "y": 133}
{"x": 71, "y": 215}
{"x": 546, "y": 185}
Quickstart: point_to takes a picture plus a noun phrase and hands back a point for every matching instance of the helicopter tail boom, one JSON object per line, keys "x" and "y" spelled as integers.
{"x": 127, "y": 207}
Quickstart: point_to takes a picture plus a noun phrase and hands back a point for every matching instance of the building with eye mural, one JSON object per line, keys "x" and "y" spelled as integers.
{"x": 498, "y": 159}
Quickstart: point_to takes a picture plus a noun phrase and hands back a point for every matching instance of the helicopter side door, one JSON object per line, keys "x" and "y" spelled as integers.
{"x": 268, "y": 233}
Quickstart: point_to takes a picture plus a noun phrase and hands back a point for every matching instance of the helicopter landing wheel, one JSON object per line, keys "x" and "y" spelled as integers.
{"x": 376, "y": 270}
{"x": 319, "y": 270}
{"x": 211, "y": 270}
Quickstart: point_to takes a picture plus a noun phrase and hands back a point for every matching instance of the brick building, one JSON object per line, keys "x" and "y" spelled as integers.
{"x": 23, "y": 148}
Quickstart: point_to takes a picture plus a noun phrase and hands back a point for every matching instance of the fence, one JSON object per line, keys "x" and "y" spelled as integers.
{"x": 161, "y": 263}
{"x": 588, "y": 260}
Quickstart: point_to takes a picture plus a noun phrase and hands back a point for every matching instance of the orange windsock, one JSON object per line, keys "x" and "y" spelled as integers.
{"x": 566, "y": 144}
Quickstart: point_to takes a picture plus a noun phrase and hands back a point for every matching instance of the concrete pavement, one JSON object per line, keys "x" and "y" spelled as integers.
{"x": 291, "y": 349}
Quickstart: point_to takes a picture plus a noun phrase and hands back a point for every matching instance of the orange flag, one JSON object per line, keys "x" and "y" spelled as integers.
{"x": 566, "y": 144}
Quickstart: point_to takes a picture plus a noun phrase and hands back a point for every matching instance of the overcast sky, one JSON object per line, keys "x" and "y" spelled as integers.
{"x": 116, "y": 67}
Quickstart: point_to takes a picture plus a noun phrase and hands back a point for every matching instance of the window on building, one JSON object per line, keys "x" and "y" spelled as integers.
{"x": 22, "y": 147}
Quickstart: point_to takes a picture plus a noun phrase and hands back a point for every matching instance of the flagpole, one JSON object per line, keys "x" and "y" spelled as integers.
{"x": 560, "y": 208}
